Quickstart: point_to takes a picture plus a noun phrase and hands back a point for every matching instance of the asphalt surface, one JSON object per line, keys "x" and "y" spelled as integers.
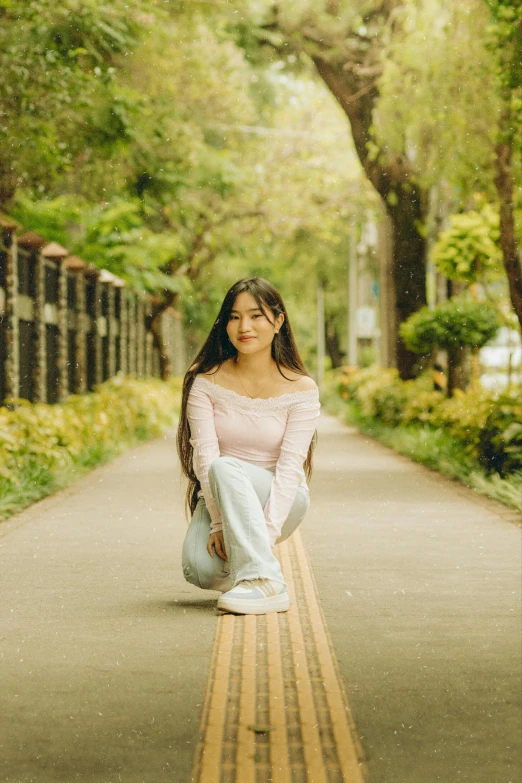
{"x": 104, "y": 649}
{"x": 420, "y": 581}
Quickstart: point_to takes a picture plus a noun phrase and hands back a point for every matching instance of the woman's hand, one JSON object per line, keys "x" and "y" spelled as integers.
{"x": 217, "y": 540}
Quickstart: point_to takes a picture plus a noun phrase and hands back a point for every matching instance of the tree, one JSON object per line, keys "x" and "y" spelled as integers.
{"x": 449, "y": 60}
{"x": 506, "y": 43}
{"x": 151, "y": 190}
{"x": 56, "y": 78}
{"x": 345, "y": 42}
{"x": 309, "y": 200}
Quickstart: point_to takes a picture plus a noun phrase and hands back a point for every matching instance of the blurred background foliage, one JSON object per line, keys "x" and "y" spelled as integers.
{"x": 184, "y": 145}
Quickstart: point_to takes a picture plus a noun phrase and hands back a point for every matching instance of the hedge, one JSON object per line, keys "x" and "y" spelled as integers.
{"x": 42, "y": 447}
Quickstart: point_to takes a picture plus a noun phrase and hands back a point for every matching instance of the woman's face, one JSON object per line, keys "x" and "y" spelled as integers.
{"x": 248, "y": 321}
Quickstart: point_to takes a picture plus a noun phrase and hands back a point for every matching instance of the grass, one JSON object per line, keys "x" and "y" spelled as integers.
{"x": 433, "y": 448}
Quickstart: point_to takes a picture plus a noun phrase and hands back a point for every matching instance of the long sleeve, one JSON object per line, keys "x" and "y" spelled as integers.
{"x": 289, "y": 472}
{"x": 204, "y": 440}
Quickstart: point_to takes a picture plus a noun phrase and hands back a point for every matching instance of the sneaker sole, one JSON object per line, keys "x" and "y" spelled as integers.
{"x": 276, "y": 603}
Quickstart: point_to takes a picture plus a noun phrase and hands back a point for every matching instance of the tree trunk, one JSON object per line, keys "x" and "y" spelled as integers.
{"x": 409, "y": 267}
{"x": 508, "y": 241}
{"x": 458, "y": 370}
{"x": 333, "y": 345}
{"x": 457, "y": 358}
{"x": 7, "y": 185}
{"x": 405, "y": 201}
{"x": 153, "y": 323}
{"x": 159, "y": 343}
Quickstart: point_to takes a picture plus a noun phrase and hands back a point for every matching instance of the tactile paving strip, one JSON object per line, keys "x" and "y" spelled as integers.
{"x": 275, "y": 709}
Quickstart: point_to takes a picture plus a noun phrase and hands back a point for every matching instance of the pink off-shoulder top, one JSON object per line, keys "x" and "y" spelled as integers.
{"x": 273, "y": 433}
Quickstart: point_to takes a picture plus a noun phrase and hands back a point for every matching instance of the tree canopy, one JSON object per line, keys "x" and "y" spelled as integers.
{"x": 185, "y": 145}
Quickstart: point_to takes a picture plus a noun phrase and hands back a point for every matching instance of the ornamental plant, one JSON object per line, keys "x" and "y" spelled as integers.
{"x": 469, "y": 250}
{"x": 452, "y": 324}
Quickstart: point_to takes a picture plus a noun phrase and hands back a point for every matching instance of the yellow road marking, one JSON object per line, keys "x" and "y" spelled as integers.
{"x": 305, "y": 679}
{"x": 312, "y": 749}
{"x": 340, "y": 721}
{"x": 276, "y": 688}
{"x": 245, "y": 764}
{"x": 213, "y": 742}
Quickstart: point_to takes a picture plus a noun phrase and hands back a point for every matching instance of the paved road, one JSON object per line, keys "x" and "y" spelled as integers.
{"x": 105, "y": 649}
{"x": 420, "y": 580}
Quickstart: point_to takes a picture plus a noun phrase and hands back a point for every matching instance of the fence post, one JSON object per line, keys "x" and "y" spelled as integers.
{"x": 148, "y": 341}
{"x": 79, "y": 322}
{"x": 116, "y": 290}
{"x": 40, "y": 368}
{"x": 55, "y": 314}
{"x": 29, "y": 245}
{"x": 112, "y": 282}
{"x": 132, "y": 333}
{"x": 95, "y": 328}
{"x": 8, "y": 310}
{"x": 100, "y": 326}
{"x": 76, "y": 323}
{"x": 140, "y": 338}
{"x": 30, "y": 308}
{"x": 63, "y": 331}
{"x": 123, "y": 331}
{"x": 112, "y": 324}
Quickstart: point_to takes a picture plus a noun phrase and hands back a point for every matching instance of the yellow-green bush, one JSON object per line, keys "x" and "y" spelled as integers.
{"x": 39, "y": 439}
{"x": 488, "y": 424}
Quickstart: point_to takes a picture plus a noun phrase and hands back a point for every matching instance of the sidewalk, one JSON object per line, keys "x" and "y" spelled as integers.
{"x": 104, "y": 647}
{"x": 105, "y": 650}
{"x": 420, "y": 581}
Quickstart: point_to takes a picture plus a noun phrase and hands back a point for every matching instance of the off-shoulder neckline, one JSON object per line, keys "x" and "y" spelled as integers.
{"x": 243, "y": 397}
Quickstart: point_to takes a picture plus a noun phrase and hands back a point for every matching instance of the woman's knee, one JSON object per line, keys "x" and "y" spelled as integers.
{"x": 219, "y": 469}
{"x": 197, "y": 571}
{"x": 221, "y": 465}
{"x": 194, "y": 545}
{"x": 199, "y": 568}
{"x": 297, "y": 513}
{"x": 205, "y": 574}
{"x": 189, "y": 560}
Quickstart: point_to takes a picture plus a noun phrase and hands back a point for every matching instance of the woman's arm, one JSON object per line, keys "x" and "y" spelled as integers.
{"x": 289, "y": 472}
{"x": 204, "y": 440}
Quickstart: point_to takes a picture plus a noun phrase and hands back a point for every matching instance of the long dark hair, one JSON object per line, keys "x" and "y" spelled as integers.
{"x": 218, "y": 348}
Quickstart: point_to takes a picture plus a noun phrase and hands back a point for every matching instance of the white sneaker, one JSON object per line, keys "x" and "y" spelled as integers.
{"x": 255, "y": 596}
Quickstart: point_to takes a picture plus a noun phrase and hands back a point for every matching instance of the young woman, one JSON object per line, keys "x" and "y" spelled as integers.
{"x": 245, "y": 442}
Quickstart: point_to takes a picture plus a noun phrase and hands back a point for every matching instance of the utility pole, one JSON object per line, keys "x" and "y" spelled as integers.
{"x": 320, "y": 335}
{"x": 351, "y": 337}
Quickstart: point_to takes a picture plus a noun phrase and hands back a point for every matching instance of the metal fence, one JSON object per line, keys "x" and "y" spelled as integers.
{"x": 66, "y": 325}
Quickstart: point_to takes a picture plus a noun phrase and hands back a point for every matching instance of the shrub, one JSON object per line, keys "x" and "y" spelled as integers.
{"x": 39, "y": 443}
{"x": 449, "y": 326}
{"x": 500, "y": 438}
{"x": 487, "y": 424}
{"x": 469, "y": 250}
